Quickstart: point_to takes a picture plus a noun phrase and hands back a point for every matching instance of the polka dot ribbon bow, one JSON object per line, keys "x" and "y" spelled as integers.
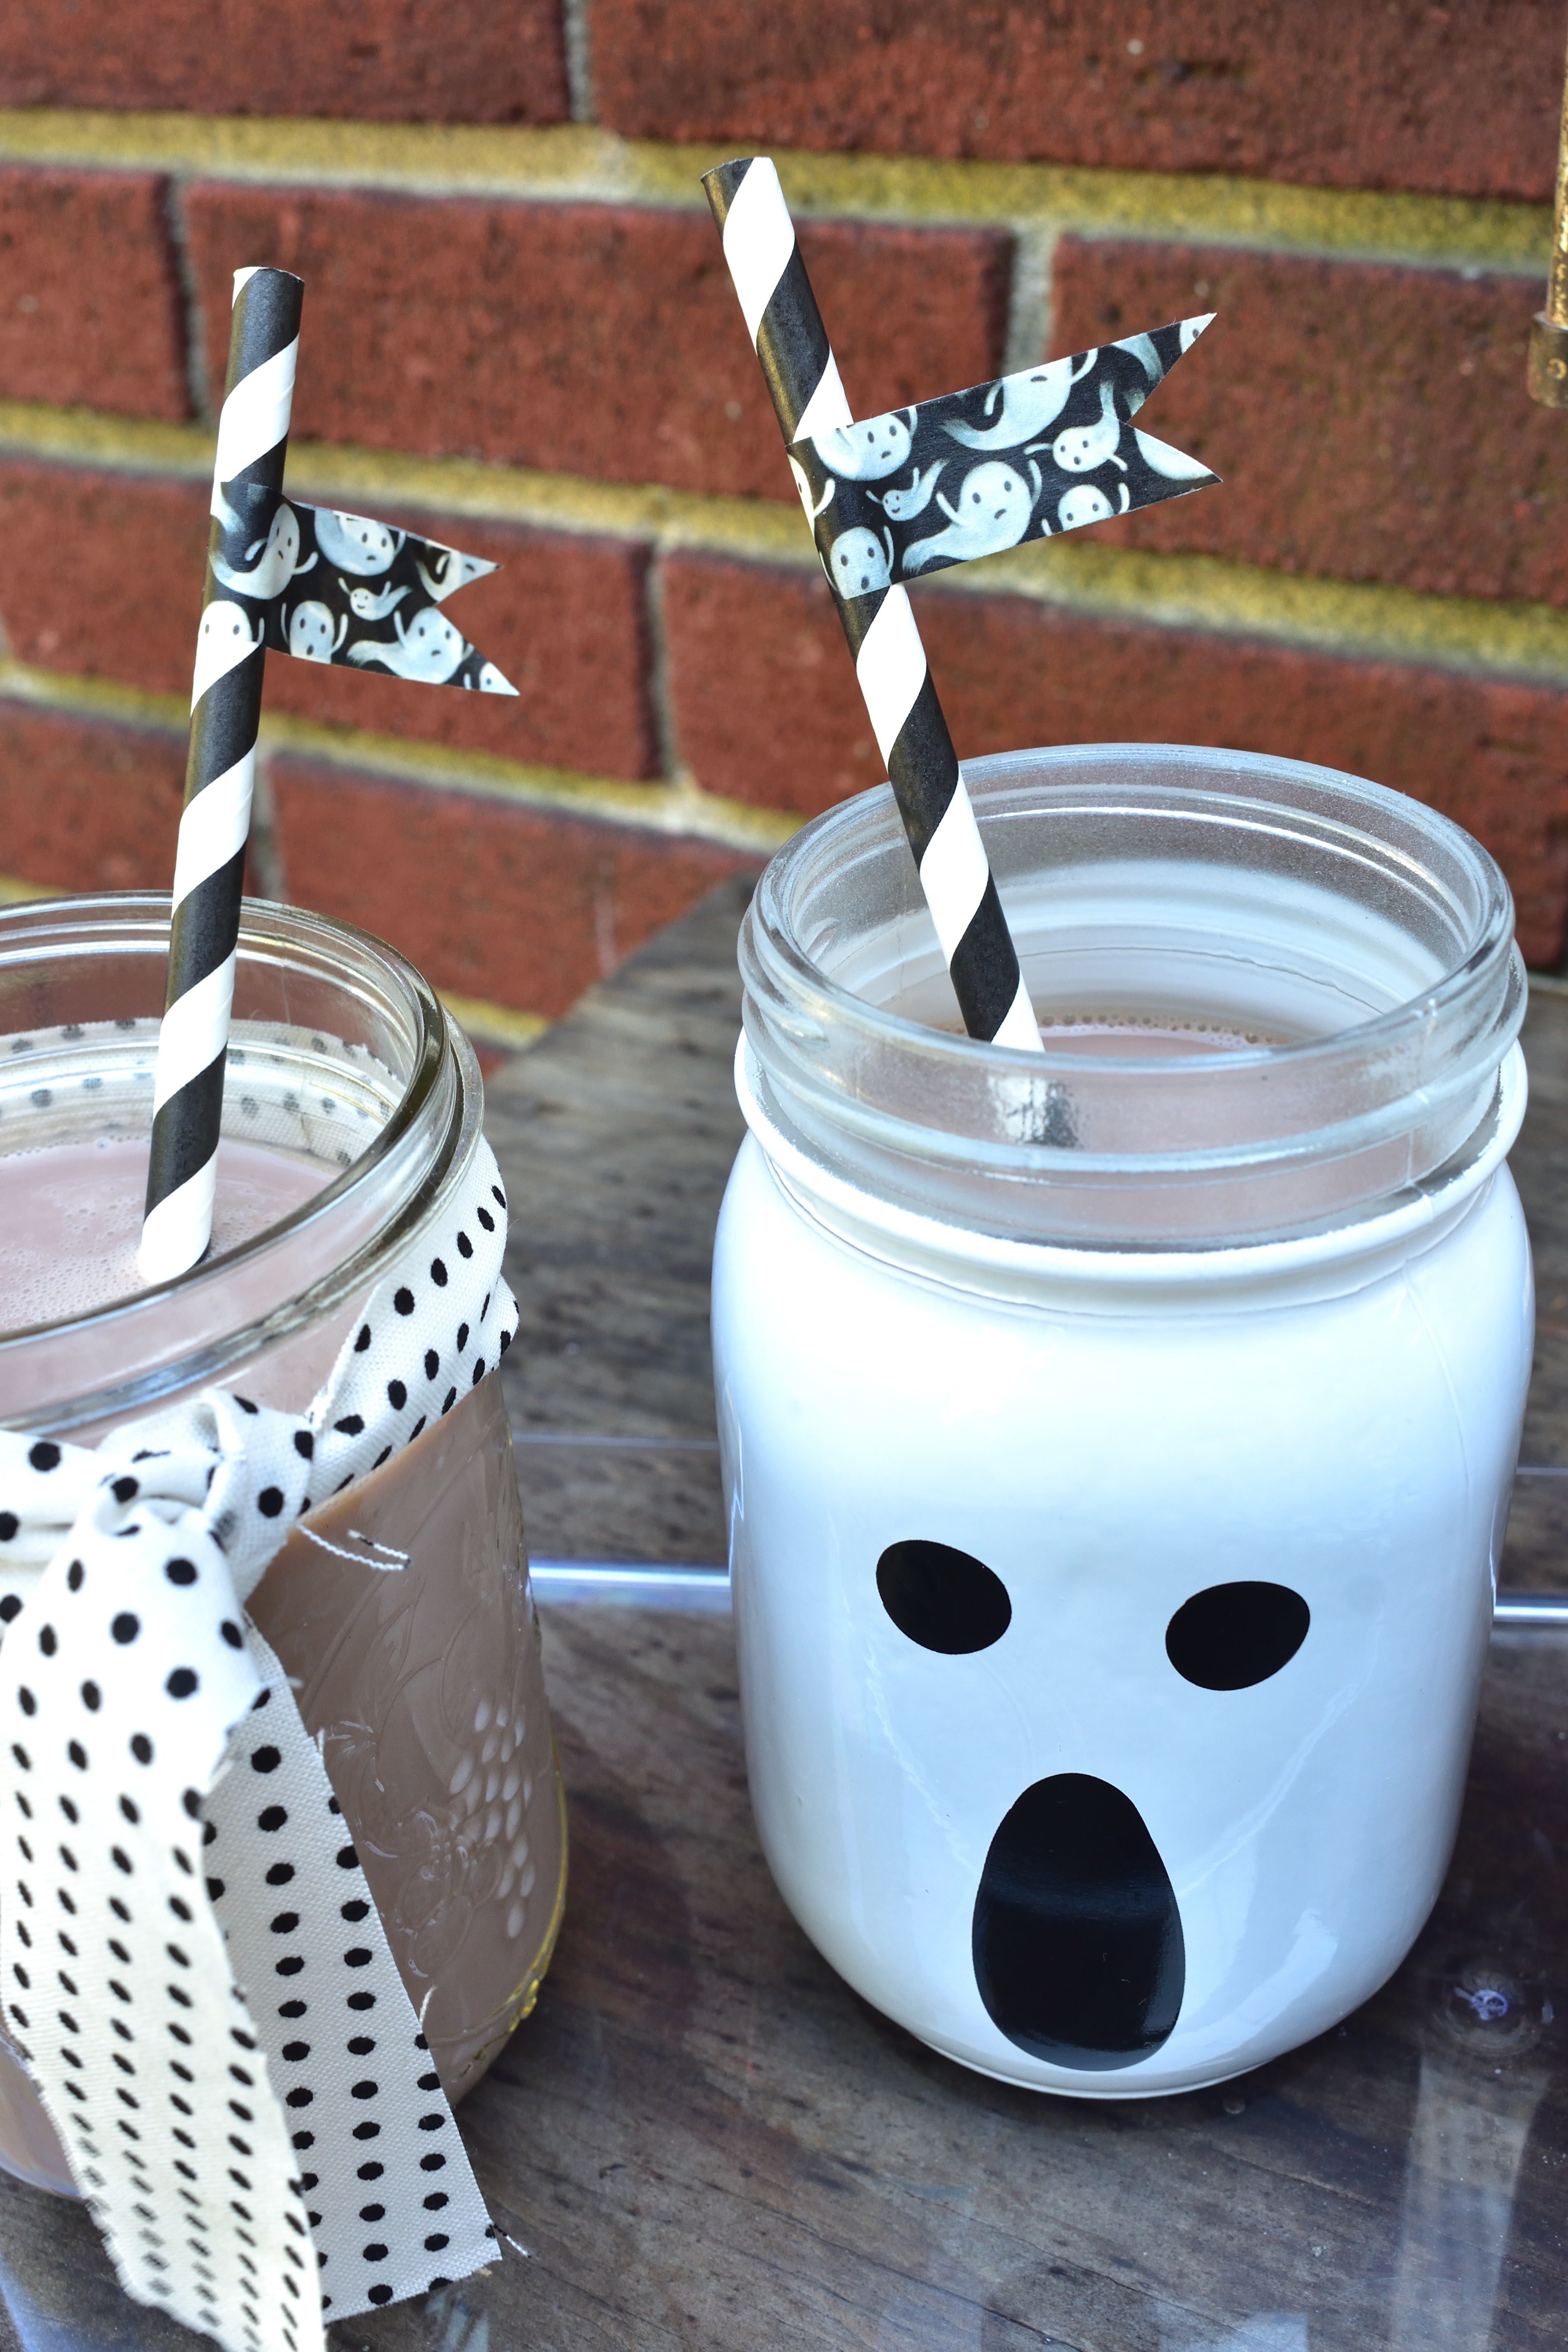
{"x": 194, "y": 1969}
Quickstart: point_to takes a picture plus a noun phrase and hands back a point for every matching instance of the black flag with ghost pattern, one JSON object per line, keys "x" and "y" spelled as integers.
{"x": 1027, "y": 457}
{"x": 328, "y": 586}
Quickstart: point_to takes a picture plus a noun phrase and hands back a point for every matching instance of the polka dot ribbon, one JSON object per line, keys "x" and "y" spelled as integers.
{"x": 192, "y": 1968}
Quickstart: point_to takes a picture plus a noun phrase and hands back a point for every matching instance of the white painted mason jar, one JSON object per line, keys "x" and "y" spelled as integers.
{"x": 1117, "y": 1442}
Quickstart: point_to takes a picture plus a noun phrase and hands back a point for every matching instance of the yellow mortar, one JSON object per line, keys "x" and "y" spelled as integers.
{"x": 1356, "y": 618}
{"x": 1200, "y": 593}
{"x": 595, "y": 166}
{"x": 494, "y": 1024}
{"x": 681, "y": 807}
{"x": 486, "y": 1023}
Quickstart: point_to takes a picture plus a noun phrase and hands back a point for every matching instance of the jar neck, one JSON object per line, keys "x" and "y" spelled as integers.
{"x": 339, "y": 1053}
{"x": 1351, "y": 950}
{"x": 1324, "y": 1264}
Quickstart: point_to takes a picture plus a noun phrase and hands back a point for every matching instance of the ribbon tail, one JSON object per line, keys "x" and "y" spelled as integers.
{"x": 191, "y": 1967}
{"x": 350, "y": 2068}
{"x": 114, "y": 1717}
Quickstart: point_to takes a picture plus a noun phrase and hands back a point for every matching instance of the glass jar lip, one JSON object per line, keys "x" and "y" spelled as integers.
{"x": 200, "y": 1325}
{"x": 1363, "y": 938}
{"x": 830, "y": 837}
{"x": 136, "y": 913}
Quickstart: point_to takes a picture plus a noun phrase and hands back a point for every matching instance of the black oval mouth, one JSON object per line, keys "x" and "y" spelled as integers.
{"x": 1078, "y": 1943}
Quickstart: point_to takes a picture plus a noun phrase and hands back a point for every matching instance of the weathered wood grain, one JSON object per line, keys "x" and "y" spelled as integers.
{"x": 616, "y": 1133}
{"x": 705, "y": 2140}
{"x": 1536, "y": 1557}
{"x": 1540, "y": 1162}
{"x": 702, "y": 2138}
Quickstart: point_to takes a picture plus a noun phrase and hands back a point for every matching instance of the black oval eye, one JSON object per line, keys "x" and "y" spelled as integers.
{"x": 1234, "y": 1635}
{"x": 942, "y": 1599}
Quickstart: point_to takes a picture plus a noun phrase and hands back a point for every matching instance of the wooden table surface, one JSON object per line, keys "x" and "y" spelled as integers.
{"x": 702, "y": 2138}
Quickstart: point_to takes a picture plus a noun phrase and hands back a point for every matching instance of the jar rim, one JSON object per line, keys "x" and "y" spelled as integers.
{"x": 917, "y": 1107}
{"x": 831, "y": 833}
{"x": 342, "y": 1237}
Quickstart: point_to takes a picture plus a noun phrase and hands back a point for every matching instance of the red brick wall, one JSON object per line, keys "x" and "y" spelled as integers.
{"x": 593, "y": 339}
{"x": 395, "y": 61}
{"x": 1338, "y": 94}
{"x": 520, "y": 336}
{"x": 511, "y": 904}
{"x": 1371, "y": 422}
{"x": 1354, "y": 93}
{"x": 90, "y": 310}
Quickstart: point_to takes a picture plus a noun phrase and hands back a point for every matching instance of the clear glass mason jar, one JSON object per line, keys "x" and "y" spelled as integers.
{"x": 426, "y": 1682}
{"x": 1117, "y": 1441}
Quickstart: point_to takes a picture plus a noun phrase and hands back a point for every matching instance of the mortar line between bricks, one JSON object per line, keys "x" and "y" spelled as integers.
{"x": 578, "y": 40}
{"x": 506, "y": 1027}
{"x": 674, "y": 809}
{"x": 1028, "y": 336}
{"x": 266, "y": 845}
{"x": 191, "y": 322}
{"x": 580, "y": 162}
{"x": 1210, "y": 593}
{"x": 650, "y": 513}
{"x": 661, "y": 702}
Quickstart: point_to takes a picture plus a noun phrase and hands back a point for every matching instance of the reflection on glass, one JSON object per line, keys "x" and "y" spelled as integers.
{"x": 1269, "y": 2331}
{"x": 60, "y": 2295}
{"x": 452, "y": 2324}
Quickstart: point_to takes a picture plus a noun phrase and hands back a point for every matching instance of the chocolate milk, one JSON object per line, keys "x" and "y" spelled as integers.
{"x": 70, "y": 1219}
{"x": 426, "y": 1683}
{"x": 402, "y": 1611}
{"x": 1129, "y": 1037}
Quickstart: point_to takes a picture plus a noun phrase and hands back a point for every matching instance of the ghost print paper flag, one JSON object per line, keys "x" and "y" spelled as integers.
{"x": 1029, "y": 456}
{"x": 344, "y": 589}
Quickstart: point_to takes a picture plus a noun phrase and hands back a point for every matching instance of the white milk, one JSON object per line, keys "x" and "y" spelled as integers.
{"x": 1004, "y": 1511}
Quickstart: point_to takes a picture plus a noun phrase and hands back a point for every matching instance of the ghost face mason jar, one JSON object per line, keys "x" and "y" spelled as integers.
{"x": 352, "y": 1112}
{"x": 1117, "y": 1441}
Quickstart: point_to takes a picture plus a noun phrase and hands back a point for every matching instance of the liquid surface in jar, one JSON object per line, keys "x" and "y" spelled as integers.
{"x": 1116, "y": 1037}
{"x": 1132, "y": 1036}
{"x": 70, "y": 1219}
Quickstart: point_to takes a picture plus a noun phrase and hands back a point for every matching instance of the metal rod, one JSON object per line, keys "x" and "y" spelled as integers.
{"x": 1548, "y": 369}
{"x": 631, "y": 1584}
{"x": 1530, "y": 1608}
{"x": 1557, "y": 278}
{"x": 638, "y": 1584}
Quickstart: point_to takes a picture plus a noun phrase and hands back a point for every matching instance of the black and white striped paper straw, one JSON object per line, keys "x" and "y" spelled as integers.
{"x": 911, "y": 733}
{"x": 220, "y": 768}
